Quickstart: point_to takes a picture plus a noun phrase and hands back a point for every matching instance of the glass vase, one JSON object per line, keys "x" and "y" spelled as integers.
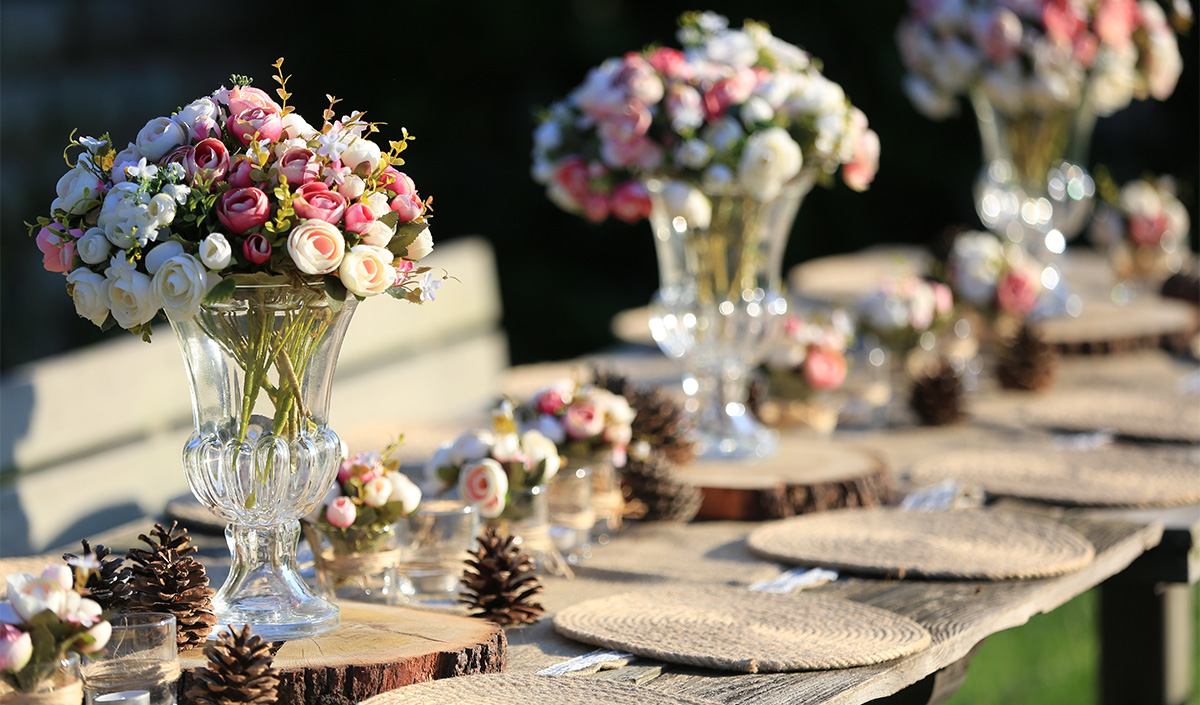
{"x": 570, "y": 501}
{"x": 526, "y": 516}
{"x": 1034, "y": 188}
{"x": 357, "y": 563}
{"x": 720, "y": 306}
{"x": 262, "y": 455}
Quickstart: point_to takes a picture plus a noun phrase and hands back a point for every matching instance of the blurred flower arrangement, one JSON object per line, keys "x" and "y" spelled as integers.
{"x": 993, "y": 278}
{"x": 1039, "y": 55}
{"x": 490, "y": 467}
{"x": 812, "y": 357}
{"x": 903, "y": 308}
{"x": 1143, "y": 227}
{"x": 45, "y": 620}
{"x": 583, "y": 420}
{"x": 371, "y": 494}
{"x": 234, "y": 188}
{"x": 736, "y": 110}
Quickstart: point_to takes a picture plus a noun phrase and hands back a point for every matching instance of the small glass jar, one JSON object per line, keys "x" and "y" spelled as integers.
{"x": 440, "y": 533}
{"x": 867, "y": 391}
{"x": 140, "y": 663}
{"x": 63, "y": 685}
{"x": 526, "y": 516}
{"x": 361, "y": 564}
{"x": 572, "y": 516}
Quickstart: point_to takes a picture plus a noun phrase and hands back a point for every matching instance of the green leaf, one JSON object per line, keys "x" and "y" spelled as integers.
{"x": 223, "y": 290}
{"x": 448, "y": 474}
{"x": 405, "y": 234}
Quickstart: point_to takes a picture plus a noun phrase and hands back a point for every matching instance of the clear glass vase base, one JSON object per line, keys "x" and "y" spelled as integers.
{"x": 280, "y": 625}
{"x": 751, "y": 441}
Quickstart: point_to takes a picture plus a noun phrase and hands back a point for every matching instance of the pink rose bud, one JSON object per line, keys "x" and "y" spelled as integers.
{"x": 256, "y": 124}
{"x": 60, "y": 574}
{"x": 100, "y": 632}
{"x": 572, "y": 175}
{"x": 16, "y": 648}
{"x": 239, "y": 173}
{"x": 595, "y": 207}
{"x": 377, "y": 491}
{"x": 243, "y": 98}
{"x": 345, "y": 470}
{"x": 256, "y": 249}
{"x": 315, "y": 200}
{"x": 204, "y": 127}
{"x": 1017, "y": 293}
{"x": 359, "y": 218}
{"x": 397, "y": 182}
{"x": 299, "y": 166}
{"x": 408, "y": 206}
{"x": 208, "y": 160}
{"x": 631, "y": 202}
{"x": 552, "y": 401}
{"x": 1148, "y": 231}
{"x": 824, "y": 369}
{"x": 242, "y": 209}
{"x": 341, "y": 512}
{"x": 583, "y": 420}
{"x": 860, "y": 171}
{"x": 671, "y": 63}
{"x": 58, "y": 247}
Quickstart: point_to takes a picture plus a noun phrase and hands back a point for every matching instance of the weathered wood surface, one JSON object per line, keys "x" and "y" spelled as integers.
{"x": 378, "y": 648}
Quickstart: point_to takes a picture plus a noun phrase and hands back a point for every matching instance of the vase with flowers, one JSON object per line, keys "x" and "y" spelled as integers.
{"x": 1143, "y": 229}
{"x": 716, "y": 143}
{"x": 256, "y": 234}
{"x": 806, "y": 372}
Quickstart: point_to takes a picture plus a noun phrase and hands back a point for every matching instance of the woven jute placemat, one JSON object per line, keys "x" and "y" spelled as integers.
{"x": 508, "y": 689}
{"x": 1129, "y": 413}
{"x": 734, "y": 629}
{"x": 960, "y": 544}
{"x": 1109, "y": 477}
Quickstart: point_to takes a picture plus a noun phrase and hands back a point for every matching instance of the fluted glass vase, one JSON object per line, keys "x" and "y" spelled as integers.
{"x": 262, "y": 455}
{"x": 720, "y": 304}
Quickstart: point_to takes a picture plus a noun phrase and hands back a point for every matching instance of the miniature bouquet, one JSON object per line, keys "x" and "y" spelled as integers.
{"x": 1039, "y": 55}
{"x": 734, "y": 110}
{"x": 812, "y": 358}
{"x": 1144, "y": 229}
{"x": 46, "y": 620}
{"x": 371, "y": 494}
{"x": 994, "y": 279}
{"x": 584, "y": 421}
{"x": 495, "y": 469}
{"x": 903, "y": 309}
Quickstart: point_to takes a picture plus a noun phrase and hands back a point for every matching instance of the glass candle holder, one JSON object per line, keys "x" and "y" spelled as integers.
{"x": 358, "y": 563}
{"x": 141, "y": 656}
{"x": 867, "y": 391}
{"x": 439, "y": 535}
{"x": 569, "y": 497}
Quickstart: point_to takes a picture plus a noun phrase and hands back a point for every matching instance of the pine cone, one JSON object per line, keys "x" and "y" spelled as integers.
{"x": 1027, "y": 362}
{"x": 660, "y": 419}
{"x": 500, "y": 581}
{"x": 652, "y": 486}
{"x": 239, "y": 670}
{"x": 937, "y": 397}
{"x": 109, "y": 586}
{"x": 167, "y": 579}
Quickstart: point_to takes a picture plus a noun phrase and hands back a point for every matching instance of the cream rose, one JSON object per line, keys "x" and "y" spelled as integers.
{"x": 180, "y": 285}
{"x": 317, "y": 247}
{"x": 471, "y": 446}
{"x": 538, "y": 448}
{"x": 687, "y": 202}
{"x": 162, "y": 252}
{"x": 378, "y": 234}
{"x": 296, "y": 127}
{"x": 158, "y": 137}
{"x": 89, "y": 291}
{"x": 770, "y": 159}
{"x": 76, "y": 188}
{"x": 93, "y": 247}
{"x": 215, "y": 252}
{"x": 421, "y": 246}
{"x": 131, "y": 295}
{"x": 485, "y": 485}
{"x": 404, "y": 491}
{"x": 362, "y": 151}
{"x": 366, "y": 270}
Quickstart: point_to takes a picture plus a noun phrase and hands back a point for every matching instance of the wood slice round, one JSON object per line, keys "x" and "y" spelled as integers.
{"x": 378, "y": 648}
{"x": 1147, "y": 322}
{"x": 1123, "y": 412}
{"x": 962, "y": 544}
{"x": 805, "y": 475}
{"x": 735, "y": 629}
{"x": 508, "y": 689}
{"x": 846, "y": 279}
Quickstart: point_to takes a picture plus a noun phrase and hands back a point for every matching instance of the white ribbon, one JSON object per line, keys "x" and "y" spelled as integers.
{"x": 795, "y": 579}
{"x": 580, "y": 663}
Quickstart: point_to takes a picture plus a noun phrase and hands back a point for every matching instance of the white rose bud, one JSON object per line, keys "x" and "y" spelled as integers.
{"x": 180, "y": 285}
{"x": 215, "y": 252}
{"x": 694, "y": 154}
{"x": 93, "y": 247}
{"x": 362, "y": 151}
{"x": 379, "y": 204}
{"x": 471, "y": 446}
{"x": 296, "y": 127}
{"x": 126, "y": 157}
{"x": 378, "y": 234}
{"x": 404, "y": 491}
{"x": 131, "y": 295}
{"x": 158, "y": 137}
{"x": 441, "y": 458}
{"x": 352, "y": 187}
{"x": 89, "y": 291}
{"x": 161, "y": 209}
{"x": 770, "y": 159}
{"x": 538, "y": 448}
{"x": 756, "y": 110}
{"x": 376, "y": 492}
{"x": 421, "y": 246}
{"x": 317, "y": 247}
{"x": 366, "y": 270}
{"x": 75, "y": 188}
{"x": 684, "y": 201}
{"x": 162, "y": 252}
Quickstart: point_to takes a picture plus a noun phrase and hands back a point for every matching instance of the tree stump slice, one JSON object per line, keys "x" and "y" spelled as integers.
{"x": 378, "y": 648}
{"x": 1148, "y": 322}
{"x": 806, "y": 475}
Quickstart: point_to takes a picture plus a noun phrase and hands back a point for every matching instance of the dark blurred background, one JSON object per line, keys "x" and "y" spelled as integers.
{"x": 466, "y": 78}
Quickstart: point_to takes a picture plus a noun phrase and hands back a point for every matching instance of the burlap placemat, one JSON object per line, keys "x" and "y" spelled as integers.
{"x": 1129, "y": 413}
{"x": 734, "y": 629}
{"x": 960, "y": 544}
{"x": 506, "y": 689}
{"x": 1109, "y": 477}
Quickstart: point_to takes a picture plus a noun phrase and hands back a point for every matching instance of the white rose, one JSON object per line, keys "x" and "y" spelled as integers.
{"x": 682, "y": 200}
{"x": 361, "y": 151}
{"x": 162, "y": 252}
{"x": 548, "y": 135}
{"x": 484, "y": 484}
{"x": 756, "y": 110}
{"x": 89, "y": 291}
{"x": 75, "y": 188}
{"x": 366, "y": 270}
{"x": 126, "y": 157}
{"x": 562, "y": 198}
{"x": 1164, "y": 64}
{"x": 404, "y": 491}
{"x": 471, "y": 446}
{"x": 378, "y": 234}
{"x": 131, "y": 295}
{"x": 441, "y": 459}
{"x": 379, "y": 204}
{"x": 376, "y": 492}
{"x": 816, "y": 95}
{"x": 507, "y": 447}
{"x": 317, "y": 247}
{"x": 158, "y": 137}
{"x": 352, "y": 187}
{"x": 215, "y": 252}
{"x": 542, "y": 170}
{"x": 770, "y": 159}
{"x": 93, "y": 247}
{"x": 30, "y": 596}
{"x": 550, "y": 427}
{"x": 420, "y": 247}
{"x": 201, "y": 109}
{"x": 1114, "y": 79}
{"x": 693, "y": 154}
{"x": 161, "y": 209}
{"x": 295, "y": 127}
{"x": 733, "y": 48}
{"x": 723, "y": 134}
{"x": 538, "y": 448}
{"x": 180, "y": 285}
{"x": 956, "y": 65}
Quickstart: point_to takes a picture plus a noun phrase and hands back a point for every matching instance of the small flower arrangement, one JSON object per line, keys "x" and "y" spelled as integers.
{"x": 811, "y": 359}
{"x": 734, "y": 110}
{"x": 489, "y": 466}
{"x": 371, "y": 494}
{"x": 1143, "y": 226}
{"x": 234, "y": 188}
{"x": 1039, "y": 55}
{"x": 992, "y": 278}
{"x": 45, "y": 619}
{"x": 904, "y": 307}
{"x": 584, "y": 420}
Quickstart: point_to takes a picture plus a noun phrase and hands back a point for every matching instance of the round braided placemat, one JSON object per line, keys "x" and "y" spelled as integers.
{"x": 1134, "y": 414}
{"x": 734, "y": 629}
{"x": 506, "y": 689}
{"x": 1110, "y": 477}
{"x": 963, "y": 544}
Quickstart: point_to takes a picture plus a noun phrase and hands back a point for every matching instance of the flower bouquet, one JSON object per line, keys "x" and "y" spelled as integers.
{"x": 717, "y": 143}
{"x": 1144, "y": 229}
{"x": 996, "y": 280}
{"x": 44, "y": 626}
{"x": 356, "y": 536}
{"x": 805, "y": 372}
{"x": 256, "y": 234}
{"x": 905, "y": 311}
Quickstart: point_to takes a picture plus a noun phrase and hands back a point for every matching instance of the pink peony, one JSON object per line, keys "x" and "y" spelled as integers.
{"x": 1017, "y": 292}
{"x": 256, "y": 249}
{"x": 824, "y": 368}
{"x": 1064, "y": 21}
{"x": 315, "y": 200}
{"x": 208, "y": 160}
{"x": 630, "y": 202}
{"x": 242, "y": 98}
{"x": 243, "y": 209}
{"x": 1144, "y": 230}
{"x": 58, "y": 248}
{"x": 299, "y": 166}
{"x": 341, "y": 512}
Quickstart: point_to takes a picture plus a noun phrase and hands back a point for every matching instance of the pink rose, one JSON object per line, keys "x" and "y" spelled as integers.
{"x": 178, "y": 155}
{"x": 58, "y": 248}
{"x": 1063, "y": 20}
{"x": 1002, "y": 35}
{"x": 341, "y": 512}
{"x": 256, "y": 124}
{"x": 671, "y": 63}
{"x": 359, "y": 218}
{"x": 727, "y": 92}
{"x": 943, "y": 298}
{"x": 345, "y": 470}
{"x": 16, "y": 648}
{"x": 572, "y": 175}
{"x": 1017, "y": 292}
{"x": 1144, "y": 230}
{"x": 256, "y": 249}
{"x": 315, "y": 200}
{"x": 239, "y": 173}
{"x": 860, "y": 171}
{"x": 243, "y": 98}
{"x": 316, "y": 246}
{"x": 583, "y": 420}
{"x": 242, "y": 209}
{"x": 299, "y": 166}
{"x": 552, "y": 401}
{"x": 408, "y": 206}
{"x": 824, "y": 368}
{"x": 630, "y": 202}
{"x": 208, "y": 160}
{"x": 1115, "y": 20}
{"x": 641, "y": 152}
{"x": 484, "y": 484}
{"x": 595, "y": 207}
{"x": 397, "y": 182}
